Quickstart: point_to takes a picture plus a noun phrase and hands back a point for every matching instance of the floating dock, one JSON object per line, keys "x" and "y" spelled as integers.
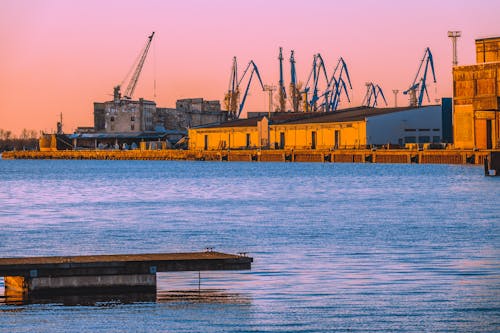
{"x": 438, "y": 156}
{"x": 131, "y": 273}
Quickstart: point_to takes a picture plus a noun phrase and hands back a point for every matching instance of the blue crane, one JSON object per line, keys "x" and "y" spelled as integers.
{"x": 336, "y": 84}
{"x": 373, "y": 91}
{"x": 420, "y": 81}
{"x": 282, "y": 90}
{"x": 339, "y": 87}
{"x": 294, "y": 91}
{"x": 318, "y": 68}
{"x": 253, "y": 70}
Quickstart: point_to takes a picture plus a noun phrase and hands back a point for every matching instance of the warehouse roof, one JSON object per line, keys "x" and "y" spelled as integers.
{"x": 354, "y": 114}
{"x": 351, "y": 114}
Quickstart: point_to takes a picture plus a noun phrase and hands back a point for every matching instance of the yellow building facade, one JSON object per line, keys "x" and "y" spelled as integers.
{"x": 260, "y": 133}
{"x": 244, "y": 134}
{"x": 355, "y": 128}
{"x": 476, "y": 88}
{"x": 335, "y": 135}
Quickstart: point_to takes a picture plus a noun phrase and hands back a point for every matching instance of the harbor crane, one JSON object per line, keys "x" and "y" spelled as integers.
{"x": 318, "y": 68}
{"x": 294, "y": 89}
{"x": 282, "y": 90}
{"x": 332, "y": 94}
{"x": 336, "y": 85}
{"x": 232, "y": 97}
{"x": 253, "y": 70}
{"x": 138, "y": 64}
{"x": 420, "y": 82}
{"x": 373, "y": 91}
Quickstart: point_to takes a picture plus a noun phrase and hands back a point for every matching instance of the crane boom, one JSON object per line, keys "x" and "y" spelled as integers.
{"x": 129, "y": 92}
{"x": 421, "y": 84}
{"x": 255, "y": 70}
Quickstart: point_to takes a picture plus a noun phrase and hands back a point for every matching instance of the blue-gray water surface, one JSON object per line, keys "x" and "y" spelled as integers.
{"x": 336, "y": 247}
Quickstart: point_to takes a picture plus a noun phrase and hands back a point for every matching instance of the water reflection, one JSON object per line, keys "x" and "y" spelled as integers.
{"x": 216, "y": 296}
{"x": 203, "y": 296}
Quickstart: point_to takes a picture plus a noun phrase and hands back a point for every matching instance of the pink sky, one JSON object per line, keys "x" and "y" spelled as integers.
{"x": 61, "y": 56}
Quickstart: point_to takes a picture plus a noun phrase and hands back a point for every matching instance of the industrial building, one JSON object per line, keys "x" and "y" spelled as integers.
{"x": 125, "y": 116}
{"x": 360, "y": 127}
{"x": 124, "y": 120}
{"x": 476, "y": 89}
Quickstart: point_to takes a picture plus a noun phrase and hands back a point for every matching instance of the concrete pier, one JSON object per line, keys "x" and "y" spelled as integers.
{"x": 35, "y": 276}
{"x": 422, "y": 156}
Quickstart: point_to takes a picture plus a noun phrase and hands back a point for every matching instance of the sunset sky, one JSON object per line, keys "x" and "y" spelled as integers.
{"x": 61, "y": 56}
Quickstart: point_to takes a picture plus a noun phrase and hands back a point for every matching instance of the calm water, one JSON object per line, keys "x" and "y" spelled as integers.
{"x": 337, "y": 247}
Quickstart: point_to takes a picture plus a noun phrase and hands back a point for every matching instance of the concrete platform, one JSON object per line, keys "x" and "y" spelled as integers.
{"x": 106, "y": 273}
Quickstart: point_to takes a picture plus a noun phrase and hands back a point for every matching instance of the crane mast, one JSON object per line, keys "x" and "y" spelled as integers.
{"x": 129, "y": 92}
{"x": 232, "y": 96}
{"x": 282, "y": 91}
{"x": 294, "y": 90}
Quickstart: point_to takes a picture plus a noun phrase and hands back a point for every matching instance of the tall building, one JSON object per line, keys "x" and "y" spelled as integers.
{"x": 476, "y": 90}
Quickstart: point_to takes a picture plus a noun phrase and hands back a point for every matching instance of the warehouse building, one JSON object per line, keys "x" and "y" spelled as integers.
{"x": 360, "y": 127}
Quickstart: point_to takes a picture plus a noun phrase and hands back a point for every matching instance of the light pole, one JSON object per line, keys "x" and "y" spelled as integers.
{"x": 454, "y": 35}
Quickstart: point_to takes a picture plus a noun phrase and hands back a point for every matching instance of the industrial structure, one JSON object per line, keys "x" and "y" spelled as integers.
{"x": 355, "y": 128}
{"x": 232, "y": 97}
{"x": 476, "y": 98}
{"x": 419, "y": 84}
{"x": 373, "y": 93}
{"x": 124, "y": 121}
{"x": 312, "y": 127}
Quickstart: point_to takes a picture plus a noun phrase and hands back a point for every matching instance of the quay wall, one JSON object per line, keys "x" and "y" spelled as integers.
{"x": 438, "y": 156}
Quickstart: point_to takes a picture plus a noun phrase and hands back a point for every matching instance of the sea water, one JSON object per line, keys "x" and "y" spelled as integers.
{"x": 336, "y": 247}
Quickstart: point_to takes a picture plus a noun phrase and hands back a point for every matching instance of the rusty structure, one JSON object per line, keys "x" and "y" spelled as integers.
{"x": 476, "y": 90}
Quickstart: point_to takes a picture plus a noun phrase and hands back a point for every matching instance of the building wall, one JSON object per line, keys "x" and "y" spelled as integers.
{"x": 487, "y": 50}
{"x": 463, "y": 118}
{"x": 197, "y": 104}
{"x": 300, "y": 136}
{"x": 476, "y": 88}
{"x": 99, "y": 116}
{"x": 419, "y": 125}
{"x": 223, "y": 138}
{"x": 129, "y": 116}
{"x": 183, "y": 119}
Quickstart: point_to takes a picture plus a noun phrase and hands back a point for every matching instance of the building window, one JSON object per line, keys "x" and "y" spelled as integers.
{"x": 424, "y": 139}
{"x": 423, "y": 130}
{"x": 206, "y": 142}
{"x": 132, "y": 118}
{"x": 410, "y": 130}
{"x": 248, "y": 140}
{"x": 132, "y": 127}
{"x": 436, "y": 139}
{"x": 112, "y": 118}
{"x": 313, "y": 140}
{"x": 410, "y": 139}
